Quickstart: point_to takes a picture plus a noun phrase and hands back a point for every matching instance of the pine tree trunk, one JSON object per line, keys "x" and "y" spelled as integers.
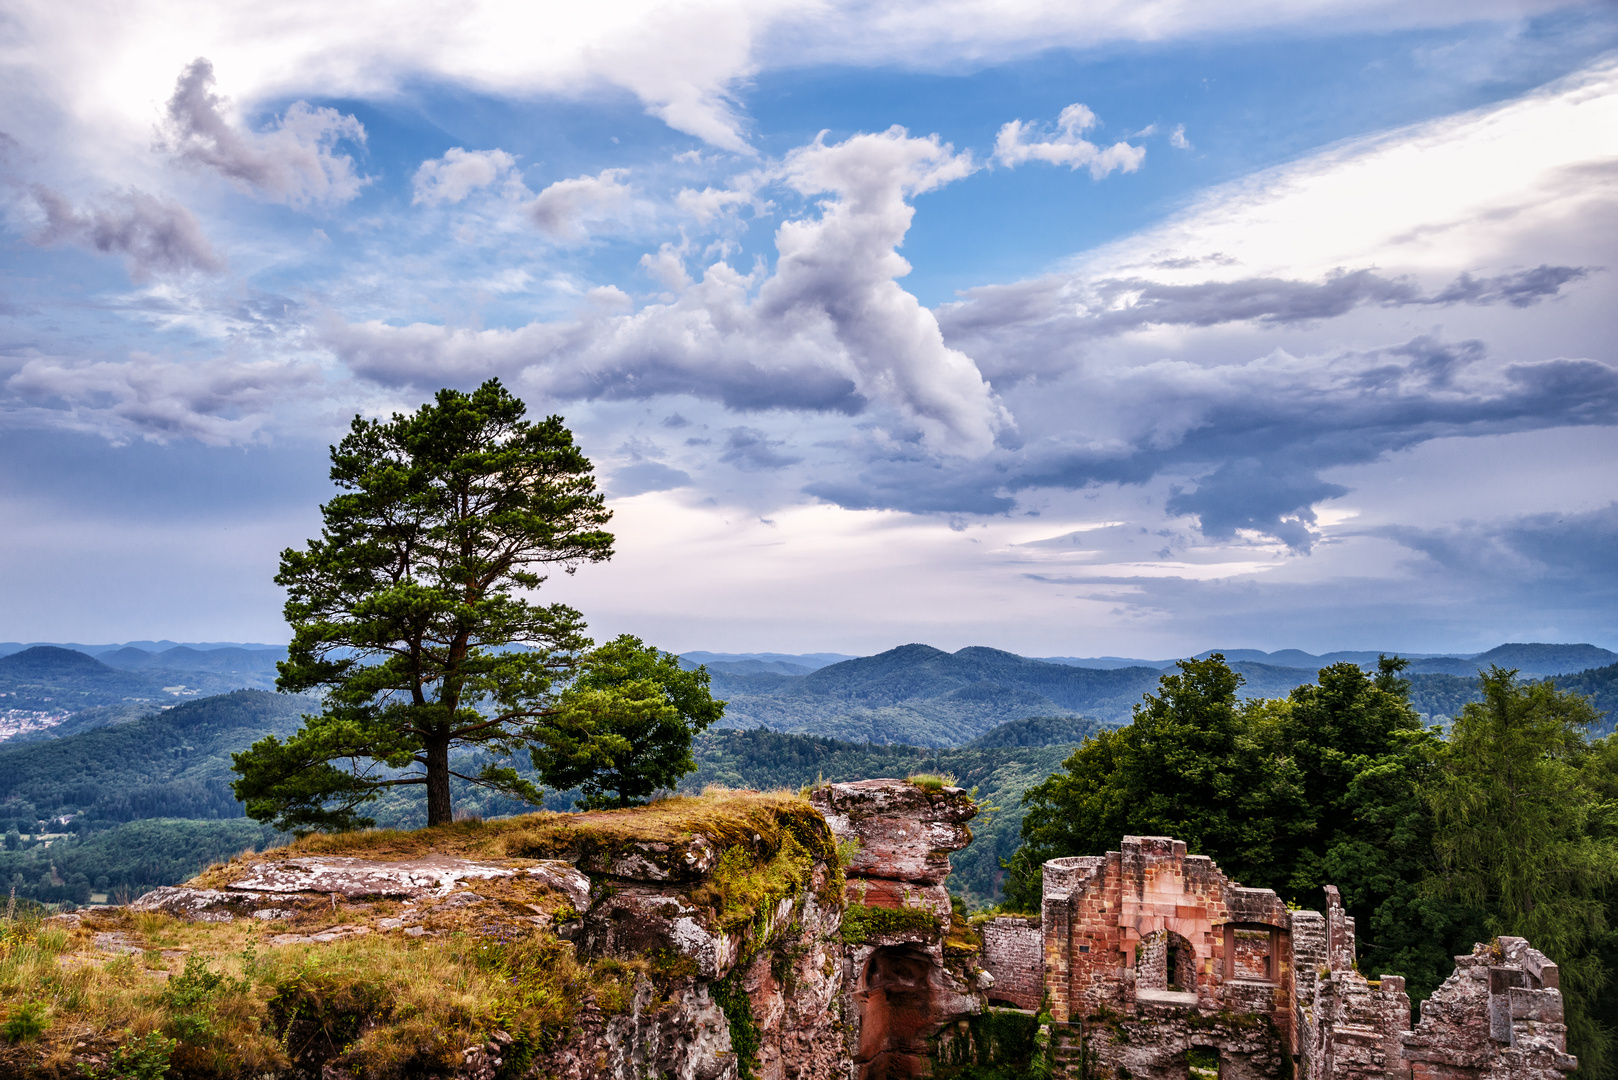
{"x": 438, "y": 806}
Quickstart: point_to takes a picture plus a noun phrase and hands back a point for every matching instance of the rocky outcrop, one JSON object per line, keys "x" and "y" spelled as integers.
{"x": 763, "y": 936}
{"x": 905, "y": 989}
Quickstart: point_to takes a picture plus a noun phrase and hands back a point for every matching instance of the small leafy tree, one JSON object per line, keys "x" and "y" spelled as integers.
{"x": 624, "y": 727}
{"x": 408, "y": 613}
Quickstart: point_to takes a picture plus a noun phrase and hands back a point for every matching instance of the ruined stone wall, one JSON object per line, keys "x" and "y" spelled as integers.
{"x": 1498, "y": 1017}
{"x": 1276, "y": 993}
{"x": 1014, "y": 954}
{"x": 1140, "y": 946}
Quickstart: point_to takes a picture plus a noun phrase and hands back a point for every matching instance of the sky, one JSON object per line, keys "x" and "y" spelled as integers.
{"x": 1081, "y": 329}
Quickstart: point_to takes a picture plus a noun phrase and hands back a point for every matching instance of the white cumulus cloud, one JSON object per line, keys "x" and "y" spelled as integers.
{"x": 830, "y": 330}
{"x": 1019, "y": 142}
{"x": 457, "y": 174}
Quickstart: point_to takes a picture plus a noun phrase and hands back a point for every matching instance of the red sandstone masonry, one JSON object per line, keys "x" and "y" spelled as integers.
{"x": 1273, "y": 992}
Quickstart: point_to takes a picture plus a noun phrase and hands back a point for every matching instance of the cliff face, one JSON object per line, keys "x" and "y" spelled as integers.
{"x": 904, "y": 987}
{"x": 699, "y": 939}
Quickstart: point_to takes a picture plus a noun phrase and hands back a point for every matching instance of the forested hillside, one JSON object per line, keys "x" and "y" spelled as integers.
{"x": 46, "y": 678}
{"x": 111, "y": 797}
{"x": 923, "y": 696}
{"x": 175, "y": 763}
{"x": 1600, "y": 685}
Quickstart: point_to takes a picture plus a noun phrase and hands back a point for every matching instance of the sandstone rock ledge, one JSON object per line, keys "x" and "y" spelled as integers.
{"x": 699, "y": 939}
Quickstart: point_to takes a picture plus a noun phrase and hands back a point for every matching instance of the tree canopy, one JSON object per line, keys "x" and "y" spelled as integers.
{"x": 624, "y": 727}
{"x": 411, "y": 616}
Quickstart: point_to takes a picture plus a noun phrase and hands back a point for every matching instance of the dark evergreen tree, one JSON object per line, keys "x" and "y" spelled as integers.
{"x": 410, "y": 614}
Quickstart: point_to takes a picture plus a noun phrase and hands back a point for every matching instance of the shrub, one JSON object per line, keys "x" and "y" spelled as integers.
{"x": 27, "y": 1021}
{"x": 145, "y": 1058}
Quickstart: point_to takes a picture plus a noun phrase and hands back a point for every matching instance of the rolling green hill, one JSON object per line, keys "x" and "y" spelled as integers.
{"x": 174, "y": 763}
{"x": 921, "y": 696}
{"x": 1540, "y": 659}
{"x": 48, "y": 679}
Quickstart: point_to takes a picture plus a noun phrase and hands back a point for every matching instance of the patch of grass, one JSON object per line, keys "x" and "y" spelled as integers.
{"x": 382, "y": 1007}
{"x": 724, "y": 817}
{"x": 931, "y": 782}
{"x": 862, "y": 922}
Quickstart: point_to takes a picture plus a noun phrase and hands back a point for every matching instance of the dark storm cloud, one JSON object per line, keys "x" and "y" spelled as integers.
{"x": 155, "y": 236}
{"x": 751, "y": 449}
{"x": 1575, "y": 547}
{"x": 1258, "y": 435}
{"x": 1258, "y": 494}
{"x": 1037, "y": 327}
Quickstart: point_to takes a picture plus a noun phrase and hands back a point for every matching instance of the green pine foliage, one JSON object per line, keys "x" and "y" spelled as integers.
{"x": 1526, "y": 839}
{"x": 410, "y": 614}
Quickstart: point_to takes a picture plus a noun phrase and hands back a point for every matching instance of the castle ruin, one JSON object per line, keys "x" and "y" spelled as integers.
{"x": 1156, "y": 966}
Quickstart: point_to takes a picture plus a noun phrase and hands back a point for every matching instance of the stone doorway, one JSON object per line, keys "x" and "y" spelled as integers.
{"x": 897, "y": 1014}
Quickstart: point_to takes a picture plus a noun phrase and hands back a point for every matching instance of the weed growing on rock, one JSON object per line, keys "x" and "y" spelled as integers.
{"x": 745, "y": 1038}
{"x": 861, "y": 922}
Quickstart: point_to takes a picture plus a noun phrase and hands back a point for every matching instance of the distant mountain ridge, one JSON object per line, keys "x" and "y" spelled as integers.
{"x": 9, "y": 647}
{"x": 922, "y": 696}
{"x": 1534, "y": 659}
{"x": 52, "y": 679}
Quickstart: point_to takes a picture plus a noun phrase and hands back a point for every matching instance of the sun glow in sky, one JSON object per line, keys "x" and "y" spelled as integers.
{"x": 1127, "y": 329}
